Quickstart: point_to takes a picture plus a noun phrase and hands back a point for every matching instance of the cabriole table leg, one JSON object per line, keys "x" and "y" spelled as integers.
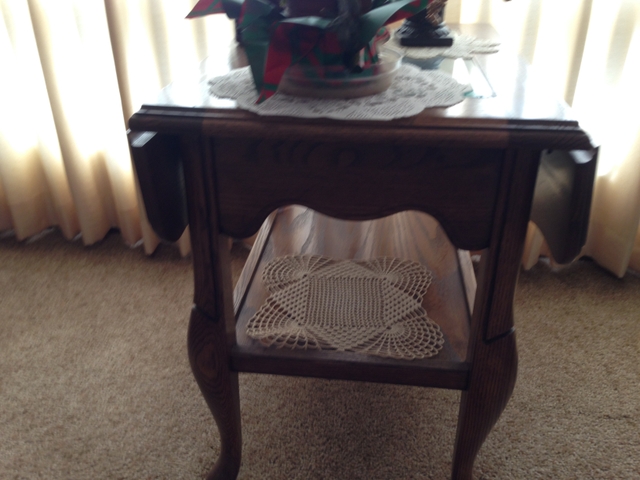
{"x": 219, "y": 386}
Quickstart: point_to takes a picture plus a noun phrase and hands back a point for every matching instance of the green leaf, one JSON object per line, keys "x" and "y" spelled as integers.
{"x": 257, "y": 56}
{"x": 374, "y": 19}
{"x": 232, "y": 8}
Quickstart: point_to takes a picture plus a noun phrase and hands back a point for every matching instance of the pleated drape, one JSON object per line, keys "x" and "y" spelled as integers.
{"x": 64, "y": 158}
{"x": 73, "y": 71}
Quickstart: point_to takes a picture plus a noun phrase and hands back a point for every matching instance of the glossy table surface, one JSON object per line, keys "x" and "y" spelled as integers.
{"x": 512, "y": 107}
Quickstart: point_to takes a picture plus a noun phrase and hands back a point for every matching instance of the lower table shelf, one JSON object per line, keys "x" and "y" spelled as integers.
{"x": 412, "y": 236}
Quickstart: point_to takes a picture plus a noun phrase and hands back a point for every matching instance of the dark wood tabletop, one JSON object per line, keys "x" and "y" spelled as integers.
{"x": 521, "y": 112}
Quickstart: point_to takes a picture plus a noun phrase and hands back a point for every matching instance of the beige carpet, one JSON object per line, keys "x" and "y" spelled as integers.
{"x": 95, "y": 383}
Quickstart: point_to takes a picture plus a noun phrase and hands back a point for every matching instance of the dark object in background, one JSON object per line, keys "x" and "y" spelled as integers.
{"x": 426, "y": 28}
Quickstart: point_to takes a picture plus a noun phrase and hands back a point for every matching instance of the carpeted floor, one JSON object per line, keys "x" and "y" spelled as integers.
{"x": 95, "y": 383}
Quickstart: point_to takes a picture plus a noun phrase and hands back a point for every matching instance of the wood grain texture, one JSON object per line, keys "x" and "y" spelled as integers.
{"x": 493, "y": 346}
{"x": 212, "y": 326}
{"x": 510, "y": 227}
{"x": 491, "y": 384}
{"x": 424, "y": 129}
{"x": 202, "y": 237}
{"x": 459, "y": 187}
{"x": 208, "y": 356}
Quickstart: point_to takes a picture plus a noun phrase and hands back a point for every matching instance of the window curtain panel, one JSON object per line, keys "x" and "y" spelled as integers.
{"x": 73, "y": 71}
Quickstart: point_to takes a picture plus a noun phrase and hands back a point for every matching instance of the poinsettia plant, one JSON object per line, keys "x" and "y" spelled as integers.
{"x": 275, "y": 38}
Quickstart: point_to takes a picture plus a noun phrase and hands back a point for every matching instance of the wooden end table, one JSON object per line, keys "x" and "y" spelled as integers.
{"x": 425, "y": 188}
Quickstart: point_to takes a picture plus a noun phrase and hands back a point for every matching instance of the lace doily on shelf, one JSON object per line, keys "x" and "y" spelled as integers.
{"x": 464, "y": 46}
{"x": 412, "y": 91}
{"x": 372, "y": 307}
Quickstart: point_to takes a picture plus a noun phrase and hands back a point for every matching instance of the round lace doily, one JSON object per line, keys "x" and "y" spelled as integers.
{"x": 412, "y": 91}
{"x": 372, "y": 307}
{"x": 464, "y": 46}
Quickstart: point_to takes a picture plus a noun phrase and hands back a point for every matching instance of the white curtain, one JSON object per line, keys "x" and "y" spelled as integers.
{"x": 73, "y": 71}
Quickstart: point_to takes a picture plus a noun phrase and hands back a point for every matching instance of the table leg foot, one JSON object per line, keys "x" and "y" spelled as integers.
{"x": 482, "y": 404}
{"x": 223, "y": 470}
{"x": 208, "y": 355}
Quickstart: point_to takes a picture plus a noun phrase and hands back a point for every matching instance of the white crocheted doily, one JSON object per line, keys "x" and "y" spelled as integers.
{"x": 411, "y": 92}
{"x": 464, "y": 46}
{"x": 371, "y": 306}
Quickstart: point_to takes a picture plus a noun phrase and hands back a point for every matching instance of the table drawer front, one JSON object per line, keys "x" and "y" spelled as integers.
{"x": 458, "y": 187}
